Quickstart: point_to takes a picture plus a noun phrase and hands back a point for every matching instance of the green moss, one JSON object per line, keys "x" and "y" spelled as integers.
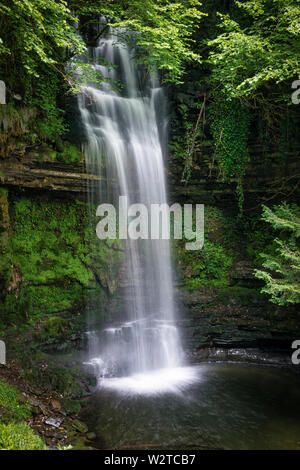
{"x": 209, "y": 266}
{"x": 60, "y": 378}
{"x": 59, "y": 258}
{"x": 55, "y": 326}
{"x": 5, "y": 249}
{"x": 55, "y": 378}
{"x": 11, "y": 399}
{"x": 69, "y": 153}
{"x": 239, "y": 295}
{"x": 71, "y": 406}
{"x": 19, "y": 436}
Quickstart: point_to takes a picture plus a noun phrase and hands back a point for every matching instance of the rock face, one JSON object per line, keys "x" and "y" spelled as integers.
{"x": 265, "y": 176}
{"x": 217, "y": 321}
{"x": 32, "y": 173}
{"x": 237, "y": 323}
{"x": 214, "y": 319}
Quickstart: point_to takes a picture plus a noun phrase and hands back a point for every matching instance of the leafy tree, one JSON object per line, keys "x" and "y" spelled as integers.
{"x": 35, "y": 33}
{"x": 259, "y": 47}
{"x": 164, "y": 30}
{"x": 282, "y": 269}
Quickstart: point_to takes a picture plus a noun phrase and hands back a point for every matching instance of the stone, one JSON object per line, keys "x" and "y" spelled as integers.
{"x": 79, "y": 426}
{"x": 56, "y": 405}
{"x": 54, "y": 422}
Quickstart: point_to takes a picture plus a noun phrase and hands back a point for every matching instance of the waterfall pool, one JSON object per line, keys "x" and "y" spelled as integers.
{"x": 227, "y": 406}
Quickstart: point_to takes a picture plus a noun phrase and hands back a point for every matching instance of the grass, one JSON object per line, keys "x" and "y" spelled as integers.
{"x": 19, "y": 436}
{"x": 10, "y": 398}
{"x": 15, "y": 434}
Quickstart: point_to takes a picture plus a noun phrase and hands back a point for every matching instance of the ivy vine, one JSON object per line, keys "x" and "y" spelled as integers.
{"x": 230, "y": 126}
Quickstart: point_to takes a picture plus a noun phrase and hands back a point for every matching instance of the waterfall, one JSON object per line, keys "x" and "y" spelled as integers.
{"x": 126, "y": 138}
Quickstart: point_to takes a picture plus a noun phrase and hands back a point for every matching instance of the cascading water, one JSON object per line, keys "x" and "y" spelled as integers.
{"x": 126, "y": 134}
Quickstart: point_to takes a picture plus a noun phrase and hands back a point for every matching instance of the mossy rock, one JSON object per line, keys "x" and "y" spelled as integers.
{"x": 50, "y": 248}
{"x": 55, "y": 378}
{"x": 67, "y": 152}
{"x": 55, "y": 326}
{"x": 70, "y": 406}
{"x": 79, "y": 426}
{"x": 70, "y": 382}
{"x": 239, "y": 296}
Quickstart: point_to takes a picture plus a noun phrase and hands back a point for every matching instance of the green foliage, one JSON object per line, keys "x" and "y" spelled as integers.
{"x": 281, "y": 274}
{"x": 230, "y": 125}
{"x": 34, "y": 31}
{"x": 55, "y": 326}
{"x": 37, "y": 38}
{"x": 63, "y": 380}
{"x": 259, "y": 46}
{"x": 19, "y": 436}
{"x": 80, "y": 73}
{"x": 209, "y": 266}
{"x": 50, "y": 126}
{"x": 164, "y": 30}
{"x": 258, "y": 237}
{"x": 68, "y": 153}
{"x": 165, "y": 33}
{"x": 51, "y": 246}
{"x": 11, "y": 399}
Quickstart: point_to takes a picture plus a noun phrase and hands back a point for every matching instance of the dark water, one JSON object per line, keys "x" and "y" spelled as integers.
{"x": 231, "y": 406}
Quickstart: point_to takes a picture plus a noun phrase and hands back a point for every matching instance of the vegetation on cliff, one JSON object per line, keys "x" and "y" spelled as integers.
{"x": 284, "y": 285}
{"x": 240, "y": 56}
{"x": 48, "y": 264}
{"x": 228, "y": 67}
{"x": 15, "y": 434}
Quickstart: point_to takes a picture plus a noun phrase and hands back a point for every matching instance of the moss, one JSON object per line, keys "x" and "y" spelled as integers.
{"x": 55, "y": 326}
{"x": 68, "y": 153}
{"x": 5, "y": 249}
{"x": 51, "y": 249}
{"x": 14, "y": 125}
{"x": 71, "y": 406}
{"x": 12, "y": 400}
{"x": 55, "y": 378}
{"x": 19, "y": 436}
{"x": 15, "y": 434}
{"x": 239, "y": 295}
{"x": 207, "y": 267}
{"x": 64, "y": 380}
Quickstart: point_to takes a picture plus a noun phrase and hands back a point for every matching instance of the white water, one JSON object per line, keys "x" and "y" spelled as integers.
{"x": 126, "y": 134}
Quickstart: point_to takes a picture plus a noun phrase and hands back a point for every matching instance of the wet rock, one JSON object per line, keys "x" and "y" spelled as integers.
{"x": 79, "y": 426}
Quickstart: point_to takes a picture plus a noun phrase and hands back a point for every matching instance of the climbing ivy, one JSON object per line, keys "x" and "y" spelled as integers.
{"x": 230, "y": 126}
